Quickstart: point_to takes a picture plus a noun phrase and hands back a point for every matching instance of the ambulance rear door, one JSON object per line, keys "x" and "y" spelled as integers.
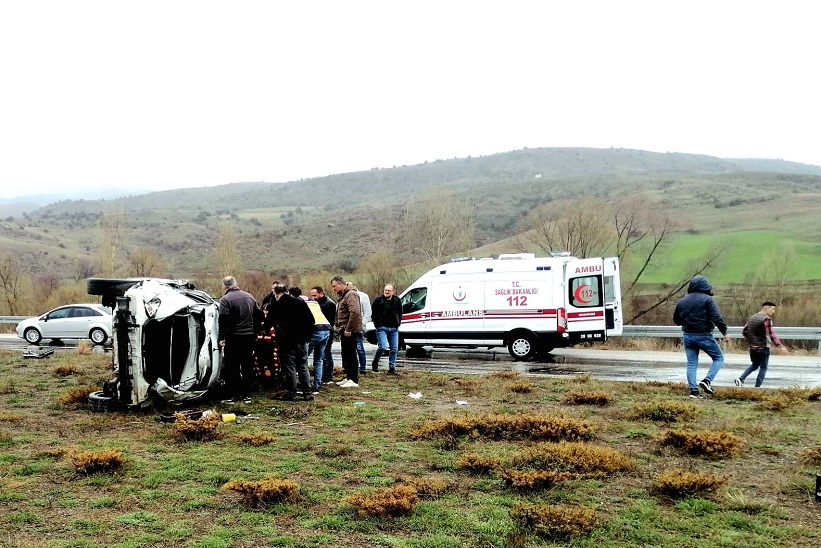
{"x": 584, "y": 294}
{"x": 612, "y": 297}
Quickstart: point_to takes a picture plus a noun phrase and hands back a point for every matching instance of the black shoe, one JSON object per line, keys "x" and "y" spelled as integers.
{"x": 392, "y": 372}
{"x": 375, "y": 365}
{"x": 695, "y": 394}
{"x": 284, "y": 396}
{"x": 706, "y": 386}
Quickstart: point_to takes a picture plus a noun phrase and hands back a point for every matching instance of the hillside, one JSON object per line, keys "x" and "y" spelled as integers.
{"x": 327, "y": 221}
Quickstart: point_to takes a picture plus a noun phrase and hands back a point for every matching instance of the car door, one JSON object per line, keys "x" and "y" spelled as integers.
{"x": 57, "y": 323}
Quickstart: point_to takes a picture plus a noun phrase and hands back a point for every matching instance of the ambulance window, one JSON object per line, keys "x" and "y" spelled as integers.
{"x": 414, "y": 300}
{"x": 585, "y": 292}
{"x": 609, "y": 294}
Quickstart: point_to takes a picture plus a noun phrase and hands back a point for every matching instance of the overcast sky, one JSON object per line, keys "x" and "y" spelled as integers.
{"x": 171, "y": 94}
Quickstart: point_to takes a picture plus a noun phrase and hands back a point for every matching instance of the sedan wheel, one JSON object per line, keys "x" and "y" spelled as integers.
{"x": 98, "y": 336}
{"x": 32, "y": 335}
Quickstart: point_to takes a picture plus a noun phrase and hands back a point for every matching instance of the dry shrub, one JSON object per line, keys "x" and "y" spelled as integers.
{"x": 202, "y": 429}
{"x": 94, "y": 462}
{"x": 65, "y": 370}
{"x": 426, "y": 488}
{"x": 576, "y": 457}
{"x": 8, "y": 386}
{"x": 56, "y": 453}
{"x": 468, "y": 384}
{"x": 558, "y": 522}
{"x": 505, "y": 375}
{"x": 664, "y": 411}
{"x": 507, "y": 427}
{"x": 521, "y": 388}
{"x": 582, "y": 397}
{"x": 258, "y": 494}
{"x": 708, "y": 443}
{"x": 77, "y": 395}
{"x": 256, "y": 439}
{"x": 534, "y": 479}
{"x": 814, "y": 394}
{"x": 5, "y": 437}
{"x": 395, "y": 501}
{"x": 583, "y": 378}
{"x": 84, "y": 348}
{"x": 5, "y": 416}
{"x": 739, "y": 393}
{"x": 682, "y": 483}
{"x": 777, "y": 403}
{"x": 798, "y": 393}
{"x": 810, "y": 455}
{"x": 477, "y": 464}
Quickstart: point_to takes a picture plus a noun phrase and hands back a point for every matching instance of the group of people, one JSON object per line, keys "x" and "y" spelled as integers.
{"x": 273, "y": 340}
{"x": 697, "y": 314}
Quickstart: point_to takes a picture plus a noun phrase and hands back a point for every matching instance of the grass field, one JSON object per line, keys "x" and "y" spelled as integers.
{"x": 745, "y": 254}
{"x": 489, "y": 473}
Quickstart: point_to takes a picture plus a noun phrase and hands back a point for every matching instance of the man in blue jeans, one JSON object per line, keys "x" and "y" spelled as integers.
{"x": 318, "y": 342}
{"x": 758, "y": 329}
{"x": 387, "y": 316}
{"x": 698, "y": 314}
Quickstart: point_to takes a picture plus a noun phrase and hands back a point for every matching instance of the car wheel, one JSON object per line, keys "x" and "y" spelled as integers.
{"x": 32, "y": 335}
{"x": 98, "y": 336}
{"x": 523, "y": 346}
{"x": 105, "y": 286}
{"x": 98, "y": 401}
{"x": 415, "y": 351}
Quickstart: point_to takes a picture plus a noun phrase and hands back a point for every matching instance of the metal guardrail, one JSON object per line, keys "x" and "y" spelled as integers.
{"x": 787, "y": 333}
{"x": 14, "y": 319}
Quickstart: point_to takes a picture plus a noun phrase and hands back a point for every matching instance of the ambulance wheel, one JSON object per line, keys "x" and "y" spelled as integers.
{"x": 523, "y": 346}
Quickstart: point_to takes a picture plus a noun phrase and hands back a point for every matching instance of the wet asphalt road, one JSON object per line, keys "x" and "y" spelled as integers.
{"x": 615, "y": 365}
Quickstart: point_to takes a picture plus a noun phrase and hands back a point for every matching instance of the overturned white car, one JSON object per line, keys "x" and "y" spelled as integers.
{"x": 165, "y": 341}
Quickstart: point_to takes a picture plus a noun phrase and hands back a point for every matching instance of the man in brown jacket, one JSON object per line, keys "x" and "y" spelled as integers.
{"x": 349, "y": 326}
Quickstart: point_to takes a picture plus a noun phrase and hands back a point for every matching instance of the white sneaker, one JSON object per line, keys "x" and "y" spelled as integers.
{"x": 349, "y": 384}
{"x": 739, "y": 382}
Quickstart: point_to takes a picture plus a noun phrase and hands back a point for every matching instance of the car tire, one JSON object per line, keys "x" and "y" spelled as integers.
{"x": 98, "y": 336}
{"x": 100, "y": 402}
{"x": 32, "y": 335}
{"x": 415, "y": 351}
{"x": 106, "y": 286}
{"x": 523, "y": 346}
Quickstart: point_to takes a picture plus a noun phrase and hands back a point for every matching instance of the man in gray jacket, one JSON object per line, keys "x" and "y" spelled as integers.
{"x": 698, "y": 314}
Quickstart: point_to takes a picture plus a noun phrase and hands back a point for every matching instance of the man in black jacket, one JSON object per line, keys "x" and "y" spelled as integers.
{"x": 294, "y": 325}
{"x": 697, "y": 314}
{"x": 238, "y": 313}
{"x": 386, "y": 311}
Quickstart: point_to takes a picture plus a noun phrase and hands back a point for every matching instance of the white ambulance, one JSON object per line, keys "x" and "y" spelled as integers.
{"x": 529, "y": 304}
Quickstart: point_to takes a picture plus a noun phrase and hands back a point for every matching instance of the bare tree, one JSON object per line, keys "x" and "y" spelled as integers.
{"x": 83, "y": 268}
{"x": 226, "y": 251}
{"x": 439, "y": 225}
{"x": 582, "y": 227}
{"x": 376, "y": 271}
{"x": 112, "y": 226}
{"x": 12, "y": 284}
{"x": 144, "y": 261}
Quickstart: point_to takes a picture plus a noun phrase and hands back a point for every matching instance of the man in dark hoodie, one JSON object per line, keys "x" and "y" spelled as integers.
{"x": 294, "y": 325}
{"x": 697, "y": 314}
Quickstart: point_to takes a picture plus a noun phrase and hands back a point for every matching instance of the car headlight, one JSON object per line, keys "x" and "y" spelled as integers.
{"x": 152, "y": 306}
